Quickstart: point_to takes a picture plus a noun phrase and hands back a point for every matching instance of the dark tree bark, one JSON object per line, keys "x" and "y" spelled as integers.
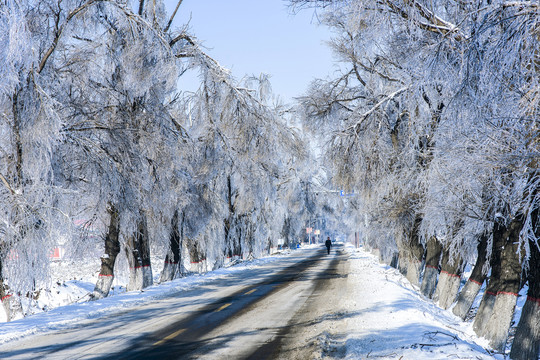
{"x": 16, "y": 128}
{"x": 395, "y": 260}
{"x": 488, "y": 300}
{"x": 171, "y": 267}
{"x": 112, "y": 248}
{"x": 4, "y": 295}
{"x": 526, "y": 345}
{"x": 431, "y": 269}
{"x": 387, "y": 256}
{"x": 474, "y": 283}
{"x": 449, "y": 279}
{"x": 237, "y": 244}
{"x": 196, "y": 257}
{"x": 13, "y": 182}
{"x": 138, "y": 254}
{"x": 233, "y": 234}
{"x": 415, "y": 253}
{"x": 286, "y": 231}
{"x": 427, "y": 145}
{"x": 233, "y": 249}
{"x": 509, "y": 285}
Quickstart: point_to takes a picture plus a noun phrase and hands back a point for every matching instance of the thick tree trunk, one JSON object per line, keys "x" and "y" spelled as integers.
{"x": 232, "y": 251}
{"x": 403, "y": 259}
{"x": 395, "y": 260}
{"x": 509, "y": 285}
{"x": 237, "y": 247}
{"x": 233, "y": 233}
{"x": 388, "y": 257}
{"x": 449, "y": 279}
{"x": 172, "y": 260}
{"x": 526, "y": 345}
{"x": 286, "y": 231}
{"x": 431, "y": 270}
{"x": 13, "y": 182}
{"x": 474, "y": 283}
{"x": 138, "y": 254}
{"x": 196, "y": 258}
{"x": 416, "y": 254}
{"x": 488, "y": 300}
{"x": 5, "y": 313}
{"x": 485, "y": 310}
{"x": 501, "y": 319}
{"x": 134, "y": 261}
{"x": 112, "y": 248}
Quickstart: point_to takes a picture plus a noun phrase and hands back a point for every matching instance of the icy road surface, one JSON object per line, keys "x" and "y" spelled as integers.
{"x": 305, "y": 305}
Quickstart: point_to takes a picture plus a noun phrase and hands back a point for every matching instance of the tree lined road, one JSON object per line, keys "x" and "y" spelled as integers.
{"x": 269, "y": 314}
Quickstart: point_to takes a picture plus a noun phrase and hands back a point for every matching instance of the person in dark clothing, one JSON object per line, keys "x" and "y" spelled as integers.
{"x": 328, "y": 244}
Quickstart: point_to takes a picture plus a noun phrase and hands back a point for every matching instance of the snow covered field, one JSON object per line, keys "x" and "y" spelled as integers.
{"x": 384, "y": 317}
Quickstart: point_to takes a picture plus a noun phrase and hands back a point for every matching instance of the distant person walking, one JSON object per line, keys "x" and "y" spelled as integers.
{"x": 328, "y": 244}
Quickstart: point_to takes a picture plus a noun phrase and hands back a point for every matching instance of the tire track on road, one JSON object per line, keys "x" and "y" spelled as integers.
{"x": 183, "y": 337}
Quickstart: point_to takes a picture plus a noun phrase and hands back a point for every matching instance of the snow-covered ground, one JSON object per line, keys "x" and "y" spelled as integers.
{"x": 391, "y": 320}
{"x": 384, "y": 317}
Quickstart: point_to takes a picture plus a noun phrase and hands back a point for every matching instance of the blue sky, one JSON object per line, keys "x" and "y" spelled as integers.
{"x": 251, "y": 37}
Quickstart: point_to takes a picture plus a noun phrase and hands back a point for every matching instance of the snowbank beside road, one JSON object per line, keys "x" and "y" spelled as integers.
{"x": 390, "y": 320}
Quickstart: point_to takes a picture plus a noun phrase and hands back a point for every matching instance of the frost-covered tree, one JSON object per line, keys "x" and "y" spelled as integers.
{"x": 30, "y": 129}
{"x": 88, "y": 132}
{"x": 244, "y": 147}
{"x": 115, "y": 72}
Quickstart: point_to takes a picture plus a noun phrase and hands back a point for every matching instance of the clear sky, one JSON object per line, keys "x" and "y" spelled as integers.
{"x": 250, "y": 37}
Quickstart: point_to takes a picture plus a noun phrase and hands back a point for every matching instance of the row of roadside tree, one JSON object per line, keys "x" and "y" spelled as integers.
{"x": 432, "y": 116}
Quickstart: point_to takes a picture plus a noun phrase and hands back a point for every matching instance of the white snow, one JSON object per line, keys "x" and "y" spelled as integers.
{"x": 391, "y": 320}
{"x": 384, "y": 315}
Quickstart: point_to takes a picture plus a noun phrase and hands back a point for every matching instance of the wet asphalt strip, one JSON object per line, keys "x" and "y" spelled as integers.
{"x": 182, "y": 339}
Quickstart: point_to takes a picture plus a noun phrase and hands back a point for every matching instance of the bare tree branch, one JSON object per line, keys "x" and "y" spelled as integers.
{"x": 7, "y": 184}
{"x": 172, "y": 16}
{"x": 365, "y": 115}
{"x": 61, "y": 29}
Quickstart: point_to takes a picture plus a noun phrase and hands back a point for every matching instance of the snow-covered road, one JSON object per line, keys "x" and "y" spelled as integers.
{"x": 306, "y": 305}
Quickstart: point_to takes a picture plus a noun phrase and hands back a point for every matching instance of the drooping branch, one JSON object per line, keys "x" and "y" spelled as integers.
{"x": 60, "y": 29}
{"x": 434, "y": 24}
{"x": 182, "y": 36}
{"x": 85, "y": 6}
